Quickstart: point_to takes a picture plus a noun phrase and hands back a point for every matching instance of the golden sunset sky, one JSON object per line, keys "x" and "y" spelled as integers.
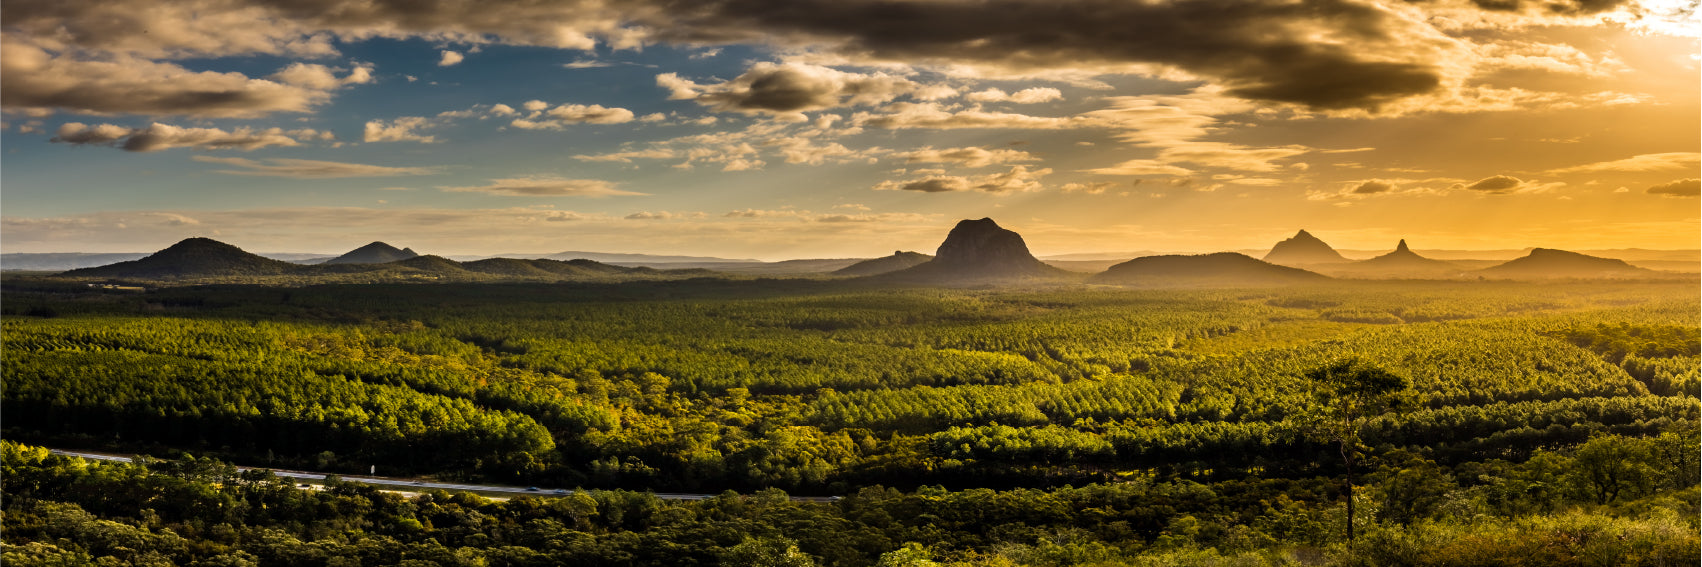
{"x": 779, "y": 129}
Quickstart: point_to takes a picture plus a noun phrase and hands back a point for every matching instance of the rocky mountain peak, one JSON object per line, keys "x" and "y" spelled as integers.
{"x": 1303, "y": 248}
{"x": 983, "y": 243}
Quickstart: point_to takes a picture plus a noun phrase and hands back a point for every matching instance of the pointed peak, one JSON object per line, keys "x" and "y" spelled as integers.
{"x": 1303, "y": 248}
{"x": 1402, "y": 247}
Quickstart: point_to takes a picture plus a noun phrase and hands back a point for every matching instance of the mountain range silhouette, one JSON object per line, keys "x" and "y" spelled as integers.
{"x": 974, "y": 252}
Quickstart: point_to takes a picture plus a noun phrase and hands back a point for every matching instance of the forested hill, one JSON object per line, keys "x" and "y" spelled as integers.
{"x": 897, "y": 261}
{"x": 192, "y": 257}
{"x": 1220, "y": 269}
{"x": 375, "y": 253}
{"x": 1544, "y": 263}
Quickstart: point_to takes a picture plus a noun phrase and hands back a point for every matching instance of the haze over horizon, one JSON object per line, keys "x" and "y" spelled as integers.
{"x": 848, "y": 129}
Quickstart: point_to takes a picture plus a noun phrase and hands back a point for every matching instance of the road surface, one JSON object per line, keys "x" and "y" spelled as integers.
{"x": 406, "y": 485}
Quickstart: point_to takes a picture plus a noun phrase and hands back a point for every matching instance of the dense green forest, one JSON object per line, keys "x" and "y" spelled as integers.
{"x": 977, "y": 426}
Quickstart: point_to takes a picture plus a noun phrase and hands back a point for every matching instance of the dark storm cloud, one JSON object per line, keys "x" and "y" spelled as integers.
{"x": 1260, "y": 50}
{"x": 1678, "y": 188}
{"x": 1565, "y": 7}
{"x": 788, "y": 88}
{"x": 158, "y": 137}
{"x": 1326, "y": 54}
{"x": 1373, "y": 187}
{"x": 1496, "y": 184}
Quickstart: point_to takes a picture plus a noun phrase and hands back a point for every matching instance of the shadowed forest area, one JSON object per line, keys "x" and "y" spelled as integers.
{"x": 1540, "y": 424}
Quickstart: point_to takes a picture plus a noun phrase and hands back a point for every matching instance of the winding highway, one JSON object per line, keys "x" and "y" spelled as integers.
{"x": 405, "y": 485}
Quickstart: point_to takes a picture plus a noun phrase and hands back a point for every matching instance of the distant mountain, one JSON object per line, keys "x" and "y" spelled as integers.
{"x": 1089, "y": 266}
{"x": 193, "y": 257}
{"x": 897, "y": 261}
{"x": 643, "y": 259}
{"x": 979, "y": 251}
{"x": 375, "y": 253}
{"x": 514, "y": 267}
{"x": 793, "y": 267}
{"x": 1402, "y": 263}
{"x": 1099, "y": 256}
{"x": 781, "y": 268}
{"x": 510, "y": 267}
{"x": 1544, "y": 263}
{"x": 1303, "y": 248}
{"x": 1222, "y": 268}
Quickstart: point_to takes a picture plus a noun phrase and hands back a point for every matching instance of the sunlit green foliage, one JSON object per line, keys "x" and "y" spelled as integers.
{"x": 822, "y": 386}
{"x": 196, "y": 511}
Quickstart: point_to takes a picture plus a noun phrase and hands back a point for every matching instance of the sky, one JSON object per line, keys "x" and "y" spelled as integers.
{"x": 777, "y": 129}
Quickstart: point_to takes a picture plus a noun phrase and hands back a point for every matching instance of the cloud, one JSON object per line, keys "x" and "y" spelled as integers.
{"x": 1372, "y": 187}
{"x": 1173, "y": 125}
{"x": 1322, "y": 54}
{"x": 628, "y": 156}
{"x": 587, "y": 64}
{"x": 1096, "y": 188}
{"x": 399, "y": 130}
{"x": 735, "y": 150}
{"x": 1384, "y": 188}
{"x": 872, "y": 218}
{"x": 798, "y": 150}
{"x": 565, "y": 216}
{"x": 1551, "y": 57}
{"x": 1230, "y": 156}
{"x": 450, "y": 58}
{"x": 1141, "y": 167}
{"x": 310, "y": 169}
{"x": 158, "y": 137}
{"x": 1501, "y": 184}
{"x": 1250, "y": 181}
{"x": 934, "y": 116}
{"x": 568, "y": 114}
{"x": 1495, "y": 184}
{"x": 1018, "y": 179}
{"x": 665, "y": 215}
{"x": 966, "y": 157}
{"x": 38, "y": 82}
{"x": 786, "y": 90}
{"x": 1678, "y": 188}
{"x": 760, "y": 213}
{"x": 1640, "y": 163}
{"x": 544, "y": 186}
{"x": 320, "y": 77}
{"x": 1025, "y": 96}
